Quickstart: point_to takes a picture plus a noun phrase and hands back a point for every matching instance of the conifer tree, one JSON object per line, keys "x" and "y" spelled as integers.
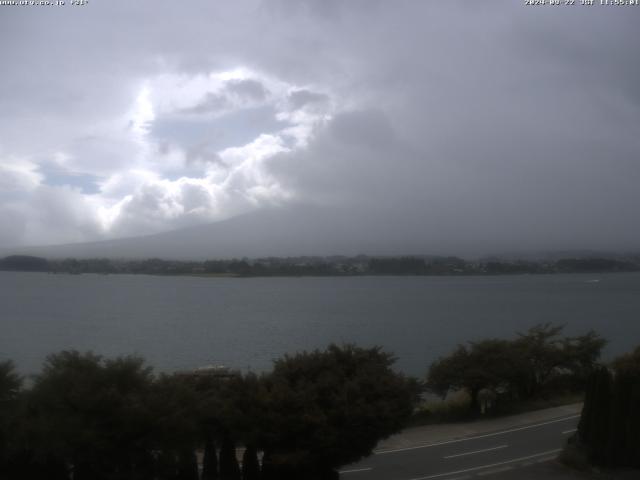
{"x": 210, "y": 460}
{"x": 229, "y": 468}
{"x": 609, "y": 427}
{"x": 187, "y": 465}
{"x": 250, "y": 464}
{"x": 166, "y": 466}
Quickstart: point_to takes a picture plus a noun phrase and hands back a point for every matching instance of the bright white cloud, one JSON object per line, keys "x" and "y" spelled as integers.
{"x": 18, "y": 176}
{"x": 148, "y": 183}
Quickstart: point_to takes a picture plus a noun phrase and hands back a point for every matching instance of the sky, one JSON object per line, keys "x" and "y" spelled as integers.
{"x": 487, "y": 126}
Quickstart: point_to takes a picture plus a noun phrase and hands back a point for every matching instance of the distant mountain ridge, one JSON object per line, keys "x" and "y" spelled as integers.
{"x": 284, "y": 231}
{"x": 296, "y": 230}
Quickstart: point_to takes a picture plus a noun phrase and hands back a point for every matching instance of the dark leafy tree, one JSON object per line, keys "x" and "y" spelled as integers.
{"x": 232, "y": 411}
{"x": 175, "y": 406}
{"x": 549, "y": 354}
{"x": 628, "y": 364}
{"x": 489, "y": 364}
{"x": 330, "y": 408}
{"x": 520, "y": 368}
{"x": 581, "y": 355}
{"x": 10, "y": 385}
{"x": 176, "y": 432}
{"x": 10, "y": 382}
{"x": 86, "y": 417}
{"x": 542, "y": 349}
{"x": 91, "y": 414}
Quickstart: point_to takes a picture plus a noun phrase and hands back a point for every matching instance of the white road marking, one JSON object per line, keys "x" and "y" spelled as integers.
{"x": 495, "y": 470}
{"x": 383, "y": 452}
{"x": 566, "y": 432}
{"x": 355, "y": 470}
{"x": 542, "y": 460}
{"x": 482, "y": 467}
{"x": 477, "y": 451}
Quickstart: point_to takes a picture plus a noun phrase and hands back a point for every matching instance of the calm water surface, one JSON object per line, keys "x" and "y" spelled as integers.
{"x": 185, "y": 322}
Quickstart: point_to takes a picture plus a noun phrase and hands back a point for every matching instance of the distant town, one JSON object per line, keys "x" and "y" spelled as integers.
{"x": 324, "y": 266}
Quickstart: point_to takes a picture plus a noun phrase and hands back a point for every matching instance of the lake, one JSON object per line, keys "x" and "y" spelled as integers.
{"x": 186, "y": 322}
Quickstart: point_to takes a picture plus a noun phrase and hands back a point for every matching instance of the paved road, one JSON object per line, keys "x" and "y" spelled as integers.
{"x": 476, "y": 456}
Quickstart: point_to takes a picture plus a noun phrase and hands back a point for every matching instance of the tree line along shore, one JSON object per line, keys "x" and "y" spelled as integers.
{"x": 87, "y": 417}
{"x": 323, "y": 266}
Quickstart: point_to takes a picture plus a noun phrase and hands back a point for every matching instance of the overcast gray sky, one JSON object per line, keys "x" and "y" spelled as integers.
{"x": 487, "y": 125}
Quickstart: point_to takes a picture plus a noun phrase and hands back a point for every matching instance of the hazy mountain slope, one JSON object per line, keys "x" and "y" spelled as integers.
{"x": 289, "y": 231}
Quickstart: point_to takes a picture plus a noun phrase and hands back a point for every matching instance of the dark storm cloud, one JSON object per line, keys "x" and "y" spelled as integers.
{"x": 247, "y": 89}
{"x": 300, "y": 98}
{"x": 487, "y": 126}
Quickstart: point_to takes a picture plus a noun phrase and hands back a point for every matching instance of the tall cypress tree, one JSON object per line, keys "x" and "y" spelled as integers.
{"x": 624, "y": 438}
{"x": 267, "y": 471}
{"x": 229, "y": 468}
{"x": 609, "y": 427}
{"x": 210, "y": 460}
{"x": 187, "y": 465}
{"x": 250, "y": 464}
{"x": 594, "y": 424}
{"x": 616, "y": 438}
{"x": 627, "y": 370}
{"x": 585, "y": 429}
{"x": 633, "y": 424}
{"x": 166, "y": 466}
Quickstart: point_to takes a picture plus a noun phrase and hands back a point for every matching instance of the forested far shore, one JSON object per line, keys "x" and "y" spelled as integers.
{"x": 323, "y": 266}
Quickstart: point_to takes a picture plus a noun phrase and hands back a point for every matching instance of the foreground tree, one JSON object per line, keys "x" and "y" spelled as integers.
{"x": 10, "y": 385}
{"x": 522, "y": 368}
{"x": 230, "y": 413}
{"x": 229, "y": 468}
{"x": 329, "y": 408}
{"x": 175, "y": 431}
{"x": 209, "y": 459}
{"x": 609, "y": 429}
{"x": 10, "y": 382}
{"x": 187, "y": 465}
{"x": 547, "y": 354}
{"x": 89, "y": 414}
{"x": 488, "y": 364}
{"x": 250, "y": 464}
